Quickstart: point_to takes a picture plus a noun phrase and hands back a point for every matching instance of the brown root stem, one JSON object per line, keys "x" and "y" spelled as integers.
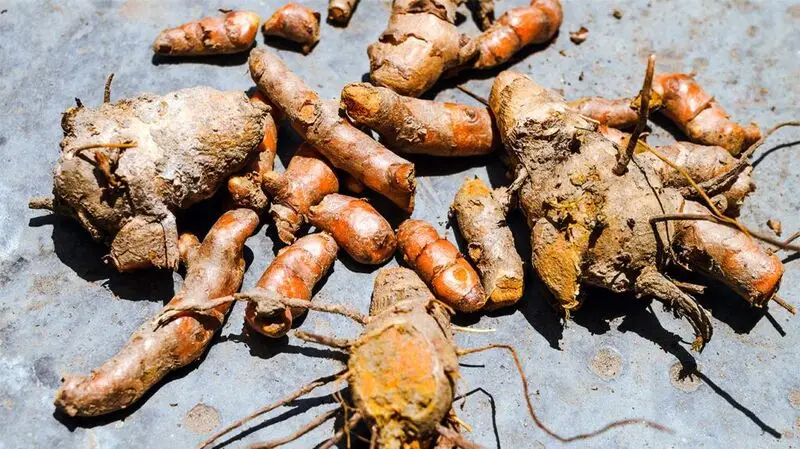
{"x": 311, "y": 425}
{"x": 644, "y": 111}
{"x": 107, "y": 88}
{"x": 308, "y": 388}
{"x": 456, "y": 438}
{"x": 337, "y": 437}
{"x": 338, "y": 343}
{"x": 42, "y": 202}
{"x": 539, "y": 423}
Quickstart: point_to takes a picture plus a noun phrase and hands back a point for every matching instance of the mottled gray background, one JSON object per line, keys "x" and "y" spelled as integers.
{"x": 63, "y": 311}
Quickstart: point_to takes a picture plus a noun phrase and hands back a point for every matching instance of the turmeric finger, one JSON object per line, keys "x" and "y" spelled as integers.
{"x": 728, "y": 255}
{"x": 411, "y": 125}
{"x": 293, "y": 274}
{"x": 245, "y": 188}
{"x": 616, "y": 113}
{"x": 232, "y": 32}
{"x": 700, "y": 116}
{"x": 318, "y": 122}
{"x": 419, "y": 45}
{"x": 481, "y": 220}
{"x": 297, "y": 23}
{"x": 438, "y": 262}
{"x": 339, "y": 11}
{"x": 356, "y": 226}
{"x": 516, "y": 29}
{"x": 307, "y": 180}
{"x": 216, "y": 270}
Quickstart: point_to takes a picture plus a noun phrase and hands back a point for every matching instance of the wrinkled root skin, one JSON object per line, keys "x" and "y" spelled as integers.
{"x": 703, "y": 163}
{"x": 439, "y": 263}
{"x": 215, "y": 269}
{"x": 306, "y": 181}
{"x": 699, "y": 116}
{"x": 411, "y": 125}
{"x": 393, "y": 285}
{"x": 403, "y": 368}
{"x": 728, "y": 255}
{"x": 233, "y": 32}
{"x": 419, "y": 45}
{"x": 516, "y": 29}
{"x": 617, "y": 113}
{"x": 359, "y": 229}
{"x": 296, "y": 23}
{"x": 344, "y": 145}
{"x": 293, "y": 274}
{"x": 339, "y": 11}
{"x": 187, "y": 143}
{"x": 482, "y": 221}
{"x": 584, "y": 230}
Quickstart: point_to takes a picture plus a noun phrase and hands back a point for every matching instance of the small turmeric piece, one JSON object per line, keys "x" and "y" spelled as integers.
{"x": 728, "y": 255}
{"x": 700, "y": 116}
{"x": 245, "y": 188}
{"x": 293, "y": 274}
{"x": 296, "y": 23}
{"x": 481, "y": 216}
{"x": 439, "y": 263}
{"x": 339, "y": 11}
{"x": 419, "y": 45}
{"x": 307, "y": 179}
{"x": 215, "y": 269}
{"x": 516, "y": 29}
{"x": 356, "y": 226}
{"x": 344, "y": 145}
{"x": 411, "y": 125}
{"x": 232, "y": 32}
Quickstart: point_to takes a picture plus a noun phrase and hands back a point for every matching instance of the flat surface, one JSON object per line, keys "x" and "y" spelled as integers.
{"x": 63, "y": 310}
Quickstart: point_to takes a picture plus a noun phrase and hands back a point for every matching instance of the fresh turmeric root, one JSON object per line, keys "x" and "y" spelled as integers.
{"x": 232, "y": 32}
{"x": 516, "y": 29}
{"x": 215, "y": 269}
{"x": 439, "y": 263}
{"x": 339, "y": 11}
{"x": 245, "y": 188}
{"x": 356, "y": 226}
{"x": 297, "y": 23}
{"x": 293, "y": 274}
{"x": 163, "y": 153}
{"x": 700, "y": 116}
{"x": 420, "y": 44}
{"x": 481, "y": 216}
{"x": 318, "y": 122}
{"x": 584, "y": 230}
{"x": 411, "y": 125}
{"x": 307, "y": 180}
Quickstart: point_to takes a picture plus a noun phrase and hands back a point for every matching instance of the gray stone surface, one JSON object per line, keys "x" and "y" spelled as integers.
{"x": 63, "y": 311}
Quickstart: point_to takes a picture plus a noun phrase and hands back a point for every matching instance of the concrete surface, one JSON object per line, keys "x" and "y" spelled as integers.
{"x": 63, "y": 311}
